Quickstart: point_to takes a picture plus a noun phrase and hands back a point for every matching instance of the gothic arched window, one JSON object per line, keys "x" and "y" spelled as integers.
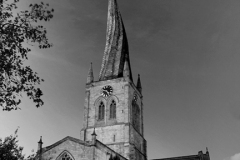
{"x": 66, "y": 156}
{"x": 135, "y": 115}
{"x": 113, "y": 110}
{"x": 101, "y": 111}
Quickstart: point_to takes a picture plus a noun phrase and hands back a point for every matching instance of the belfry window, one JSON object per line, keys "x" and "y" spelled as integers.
{"x": 135, "y": 115}
{"x": 65, "y": 156}
{"x": 113, "y": 110}
{"x": 101, "y": 111}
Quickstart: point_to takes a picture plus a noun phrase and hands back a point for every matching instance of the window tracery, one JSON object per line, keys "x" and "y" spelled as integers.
{"x": 66, "y": 156}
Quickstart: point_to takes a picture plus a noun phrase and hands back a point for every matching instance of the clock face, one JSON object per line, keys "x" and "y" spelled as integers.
{"x": 106, "y": 91}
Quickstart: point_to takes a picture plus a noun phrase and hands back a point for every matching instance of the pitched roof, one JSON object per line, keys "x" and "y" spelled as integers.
{"x": 63, "y": 140}
{"x": 199, "y": 156}
{"x": 191, "y": 157}
{"x": 109, "y": 150}
{"x": 99, "y": 144}
{"x": 116, "y": 50}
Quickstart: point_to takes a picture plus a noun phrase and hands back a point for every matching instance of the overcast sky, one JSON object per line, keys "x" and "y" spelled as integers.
{"x": 187, "y": 53}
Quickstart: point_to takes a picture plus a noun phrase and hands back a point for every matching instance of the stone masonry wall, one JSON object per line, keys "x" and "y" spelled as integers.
{"x": 95, "y": 98}
{"x": 76, "y": 150}
{"x": 115, "y": 133}
{"x": 102, "y": 152}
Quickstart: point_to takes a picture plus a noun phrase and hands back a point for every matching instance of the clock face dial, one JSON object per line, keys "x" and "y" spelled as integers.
{"x": 106, "y": 91}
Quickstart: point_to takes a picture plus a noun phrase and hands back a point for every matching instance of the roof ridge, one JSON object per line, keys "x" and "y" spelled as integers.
{"x": 179, "y": 157}
{"x": 64, "y": 139}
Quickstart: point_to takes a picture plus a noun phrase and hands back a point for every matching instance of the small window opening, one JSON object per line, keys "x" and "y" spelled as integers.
{"x": 114, "y": 138}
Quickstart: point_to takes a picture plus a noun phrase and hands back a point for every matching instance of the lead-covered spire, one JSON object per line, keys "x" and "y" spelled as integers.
{"x": 116, "y": 49}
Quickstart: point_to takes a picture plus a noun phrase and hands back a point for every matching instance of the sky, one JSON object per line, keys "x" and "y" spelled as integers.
{"x": 187, "y": 53}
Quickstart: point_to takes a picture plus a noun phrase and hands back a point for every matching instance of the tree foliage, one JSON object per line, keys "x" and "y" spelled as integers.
{"x": 9, "y": 149}
{"x": 18, "y": 30}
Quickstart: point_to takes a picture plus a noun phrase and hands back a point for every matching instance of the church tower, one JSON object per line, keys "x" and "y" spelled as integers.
{"x": 113, "y": 105}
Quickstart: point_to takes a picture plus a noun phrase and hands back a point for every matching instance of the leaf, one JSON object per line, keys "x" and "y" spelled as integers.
{"x": 18, "y": 28}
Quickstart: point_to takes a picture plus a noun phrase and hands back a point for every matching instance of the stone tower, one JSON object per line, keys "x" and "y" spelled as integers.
{"x": 113, "y": 104}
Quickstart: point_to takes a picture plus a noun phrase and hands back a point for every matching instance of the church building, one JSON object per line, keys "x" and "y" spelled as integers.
{"x": 113, "y": 110}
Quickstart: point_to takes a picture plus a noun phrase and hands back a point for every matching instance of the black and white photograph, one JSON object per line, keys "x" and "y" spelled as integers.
{"x": 119, "y": 80}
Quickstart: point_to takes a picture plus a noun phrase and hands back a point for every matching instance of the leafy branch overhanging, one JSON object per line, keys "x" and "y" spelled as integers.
{"x": 16, "y": 32}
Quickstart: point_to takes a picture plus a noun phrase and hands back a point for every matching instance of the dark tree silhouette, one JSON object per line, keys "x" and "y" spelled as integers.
{"x": 9, "y": 149}
{"x": 17, "y": 31}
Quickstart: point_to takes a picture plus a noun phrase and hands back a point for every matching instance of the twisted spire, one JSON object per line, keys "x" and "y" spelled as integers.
{"x": 116, "y": 49}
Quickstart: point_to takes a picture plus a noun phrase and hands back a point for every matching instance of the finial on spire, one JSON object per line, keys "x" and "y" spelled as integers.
{"x": 207, "y": 150}
{"x": 90, "y": 77}
{"x": 40, "y": 141}
{"x": 207, "y": 153}
{"x": 94, "y": 135}
{"x": 40, "y": 145}
{"x": 139, "y": 85}
{"x": 126, "y": 72}
{"x": 116, "y": 49}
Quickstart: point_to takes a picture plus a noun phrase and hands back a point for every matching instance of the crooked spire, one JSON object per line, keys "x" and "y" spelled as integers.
{"x": 116, "y": 49}
{"x": 90, "y": 77}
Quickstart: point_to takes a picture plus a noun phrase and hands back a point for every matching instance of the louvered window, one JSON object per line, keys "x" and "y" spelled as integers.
{"x": 101, "y": 111}
{"x": 136, "y": 115}
{"x": 113, "y": 110}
